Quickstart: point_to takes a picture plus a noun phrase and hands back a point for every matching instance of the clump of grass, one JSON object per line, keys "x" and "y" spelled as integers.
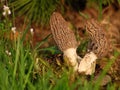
{"x": 37, "y": 11}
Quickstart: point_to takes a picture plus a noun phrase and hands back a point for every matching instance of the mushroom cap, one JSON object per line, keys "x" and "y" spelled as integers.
{"x": 62, "y": 34}
{"x": 99, "y": 40}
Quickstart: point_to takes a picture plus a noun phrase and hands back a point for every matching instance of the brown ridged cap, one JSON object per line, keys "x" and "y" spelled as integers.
{"x": 99, "y": 40}
{"x": 62, "y": 34}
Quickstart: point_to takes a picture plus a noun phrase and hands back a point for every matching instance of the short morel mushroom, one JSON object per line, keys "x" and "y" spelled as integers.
{"x": 98, "y": 47}
{"x": 64, "y": 38}
{"x": 99, "y": 40}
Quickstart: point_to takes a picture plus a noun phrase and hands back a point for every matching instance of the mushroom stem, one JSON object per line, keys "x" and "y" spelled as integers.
{"x": 72, "y": 57}
{"x": 88, "y": 64}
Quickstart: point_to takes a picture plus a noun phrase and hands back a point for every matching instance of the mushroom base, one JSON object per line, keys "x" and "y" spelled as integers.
{"x": 88, "y": 64}
{"x": 72, "y": 58}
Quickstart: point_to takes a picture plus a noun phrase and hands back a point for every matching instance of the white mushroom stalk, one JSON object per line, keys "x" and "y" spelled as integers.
{"x": 88, "y": 64}
{"x": 65, "y": 39}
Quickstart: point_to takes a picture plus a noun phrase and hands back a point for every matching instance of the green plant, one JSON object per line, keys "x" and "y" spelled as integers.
{"x": 119, "y": 1}
{"x": 100, "y": 4}
{"x": 37, "y": 11}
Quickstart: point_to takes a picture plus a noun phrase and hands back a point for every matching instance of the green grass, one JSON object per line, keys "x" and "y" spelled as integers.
{"x": 21, "y": 71}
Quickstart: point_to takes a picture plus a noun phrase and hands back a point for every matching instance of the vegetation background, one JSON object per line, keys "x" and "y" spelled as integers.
{"x": 29, "y": 58}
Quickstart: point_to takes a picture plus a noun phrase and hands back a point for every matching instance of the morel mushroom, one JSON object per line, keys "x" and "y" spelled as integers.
{"x": 64, "y": 38}
{"x": 98, "y": 48}
{"x": 99, "y": 40}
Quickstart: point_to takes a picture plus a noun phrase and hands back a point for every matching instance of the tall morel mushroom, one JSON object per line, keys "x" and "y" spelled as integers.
{"x": 64, "y": 38}
{"x": 98, "y": 47}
